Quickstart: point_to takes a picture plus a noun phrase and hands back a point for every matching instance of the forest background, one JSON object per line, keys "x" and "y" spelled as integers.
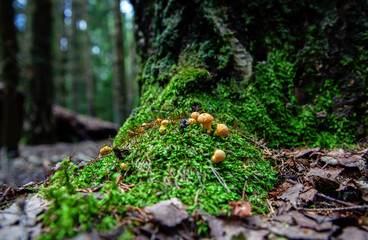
{"x": 79, "y": 55}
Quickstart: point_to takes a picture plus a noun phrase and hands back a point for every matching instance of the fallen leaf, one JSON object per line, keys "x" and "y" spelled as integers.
{"x": 229, "y": 229}
{"x": 241, "y": 209}
{"x": 292, "y": 194}
{"x": 336, "y": 153}
{"x": 169, "y": 212}
{"x": 306, "y": 153}
{"x": 306, "y": 222}
{"x": 307, "y": 196}
{"x": 351, "y": 161}
{"x": 327, "y": 173}
{"x": 352, "y": 233}
{"x": 363, "y": 187}
{"x": 296, "y": 232}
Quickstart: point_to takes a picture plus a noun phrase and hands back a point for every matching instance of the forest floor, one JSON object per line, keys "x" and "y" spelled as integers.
{"x": 321, "y": 195}
{"x": 33, "y": 162}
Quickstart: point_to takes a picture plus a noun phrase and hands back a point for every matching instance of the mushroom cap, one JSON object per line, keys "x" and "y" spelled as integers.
{"x": 205, "y": 118}
{"x": 194, "y": 115}
{"x": 162, "y": 129}
{"x": 158, "y": 120}
{"x": 165, "y": 122}
{"x": 123, "y": 166}
{"x": 105, "y": 150}
{"x": 218, "y": 156}
{"x": 222, "y": 130}
{"x": 192, "y": 121}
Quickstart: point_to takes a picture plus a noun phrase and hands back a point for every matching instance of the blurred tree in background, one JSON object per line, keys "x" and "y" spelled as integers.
{"x": 66, "y": 56}
{"x": 11, "y": 101}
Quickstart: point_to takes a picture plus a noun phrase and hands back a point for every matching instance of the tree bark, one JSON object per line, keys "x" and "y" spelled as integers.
{"x": 61, "y": 57}
{"x": 11, "y": 101}
{"x": 74, "y": 58}
{"x": 120, "y": 99}
{"x": 40, "y": 90}
{"x": 87, "y": 62}
{"x": 297, "y": 70}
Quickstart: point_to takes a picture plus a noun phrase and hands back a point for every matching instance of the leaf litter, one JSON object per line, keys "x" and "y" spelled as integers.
{"x": 321, "y": 195}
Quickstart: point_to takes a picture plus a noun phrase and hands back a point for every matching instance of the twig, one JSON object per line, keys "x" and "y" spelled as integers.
{"x": 243, "y": 194}
{"x": 4, "y": 194}
{"x": 361, "y": 208}
{"x": 335, "y": 200}
{"x": 159, "y": 111}
{"x": 254, "y": 141}
{"x": 176, "y": 184}
{"x": 197, "y": 195}
{"x": 199, "y": 179}
{"x": 219, "y": 178}
{"x": 151, "y": 131}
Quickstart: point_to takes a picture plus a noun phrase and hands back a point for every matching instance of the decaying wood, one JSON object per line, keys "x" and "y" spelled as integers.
{"x": 73, "y": 127}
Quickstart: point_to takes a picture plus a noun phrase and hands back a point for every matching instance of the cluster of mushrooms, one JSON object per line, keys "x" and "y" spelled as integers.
{"x": 205, "y": 119}
{"x": 106, "y": 150}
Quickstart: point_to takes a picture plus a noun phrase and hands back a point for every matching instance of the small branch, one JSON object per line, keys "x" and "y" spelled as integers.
{"x": 197, "y": 195}
{"x": 219, "y": 178}
{"x": 335, "y": 200}
{"x": 151, "y": 131}
{"x": 176, "y": 184}
{"x": 4, "y": 194}
{"x": 360, "y": 208}
{"x": 243, "y": 194}
{"x": 159, "y": 111}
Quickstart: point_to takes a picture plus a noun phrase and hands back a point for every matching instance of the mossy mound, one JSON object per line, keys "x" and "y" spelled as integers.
{"x": 182, "y": 156}
{"x": 173, "y": 163}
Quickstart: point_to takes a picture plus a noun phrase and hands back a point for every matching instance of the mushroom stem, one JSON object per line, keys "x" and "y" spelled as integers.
{"x": 207, "y": 126}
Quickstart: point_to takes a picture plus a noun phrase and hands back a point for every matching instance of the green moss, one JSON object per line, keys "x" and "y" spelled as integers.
{"x": 176, "y": 163}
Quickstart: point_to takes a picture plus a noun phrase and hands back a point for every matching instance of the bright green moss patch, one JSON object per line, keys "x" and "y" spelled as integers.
{"x": 176, "y": 163}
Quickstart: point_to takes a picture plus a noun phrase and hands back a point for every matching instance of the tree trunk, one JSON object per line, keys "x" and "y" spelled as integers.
{"x": 87, "y": 61}
{"x": 294, "y": 72}
{"x": 119, "y": 91}
{"x": 40, "y": 90}
{"x": 11, "y": 101}
{"x": 61, "y": 57}
{"x": 75, "y": 59}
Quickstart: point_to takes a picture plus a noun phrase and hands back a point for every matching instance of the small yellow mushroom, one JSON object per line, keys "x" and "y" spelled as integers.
{"x": 105, "y": 150}
{"x": 192, "y": 121}
{"x": 162, "y": 129}
{"x": 218, "y": 156}
{"x": 158, "y": 120}
{"x": 123, "y": 166}
{"x": 205, "y": 120}
{"x": 222, "y": 130}
{"x": 165, "y": 122}
{"x": 194, "y": 115}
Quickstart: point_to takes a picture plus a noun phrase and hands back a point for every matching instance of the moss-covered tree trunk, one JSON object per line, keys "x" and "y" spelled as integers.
{"x": 294, "y": 72}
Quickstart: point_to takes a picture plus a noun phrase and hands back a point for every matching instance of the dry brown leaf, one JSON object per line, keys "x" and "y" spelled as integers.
{"x": 306, "y": 153}
{"x": 169, "y": 212}
{"x": 327, "y": 173}
{"x": 229, "y": 229}
{"x": 307, "y": 196}
{"x": 292, "y": 194}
